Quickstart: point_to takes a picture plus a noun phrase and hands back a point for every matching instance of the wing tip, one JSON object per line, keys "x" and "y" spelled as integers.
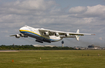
{"x": 12, "y": 35}
{"x": 92, "y": 34}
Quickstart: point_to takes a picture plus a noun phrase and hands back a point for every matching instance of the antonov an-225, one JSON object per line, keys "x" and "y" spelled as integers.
{"x": 45, "y": 35}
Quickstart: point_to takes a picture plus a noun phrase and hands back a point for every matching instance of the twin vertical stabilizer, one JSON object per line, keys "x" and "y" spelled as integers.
{"x": 77, "y": 37}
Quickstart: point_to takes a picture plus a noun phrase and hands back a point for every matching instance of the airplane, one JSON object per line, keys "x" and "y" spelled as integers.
{"x": 46, "y": 35}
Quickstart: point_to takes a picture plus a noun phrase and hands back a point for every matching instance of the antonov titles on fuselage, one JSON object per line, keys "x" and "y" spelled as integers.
{"x": 45, "y": 35}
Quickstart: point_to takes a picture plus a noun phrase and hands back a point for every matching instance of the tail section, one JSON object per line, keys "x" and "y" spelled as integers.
{"x": 77, "y": 31}
{"x": 77, "y": 37}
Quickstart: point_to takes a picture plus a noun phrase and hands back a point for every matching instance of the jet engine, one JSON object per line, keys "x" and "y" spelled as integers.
{"x": 22, "y": 35}
{"x": 17, "y": 35}
{"x": 46, "y": 33}
{"x": 67, "y": 35}
{"x": 56, "y": 34}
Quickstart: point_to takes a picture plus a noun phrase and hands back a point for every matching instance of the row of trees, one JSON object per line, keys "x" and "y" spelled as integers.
{"x": 31, "y": 47}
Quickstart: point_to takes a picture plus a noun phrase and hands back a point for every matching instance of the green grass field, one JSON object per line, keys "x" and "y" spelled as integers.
{"x": 53, "y": 59}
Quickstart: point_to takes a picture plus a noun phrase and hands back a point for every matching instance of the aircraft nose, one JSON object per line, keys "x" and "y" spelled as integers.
{"x": 22, "y": 28}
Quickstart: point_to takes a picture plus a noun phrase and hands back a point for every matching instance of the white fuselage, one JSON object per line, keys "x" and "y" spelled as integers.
{"x": 35, "y": 33}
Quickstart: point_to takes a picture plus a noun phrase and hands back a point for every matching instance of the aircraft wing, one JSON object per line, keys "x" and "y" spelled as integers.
{"x": 12, "y": 35}
{"x": 63, "y": 34}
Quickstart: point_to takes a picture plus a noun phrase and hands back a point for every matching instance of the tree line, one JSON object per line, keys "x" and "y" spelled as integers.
{"x": 31, "y": 47}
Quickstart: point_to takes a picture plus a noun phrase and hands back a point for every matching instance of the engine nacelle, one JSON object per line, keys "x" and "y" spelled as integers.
{"x": 17, "y": 35}
{"x": 67, "y": 35}
{"x": 22, "y": 35}
{"x": 56, "y": 34}
{"x": 46, "y": 33}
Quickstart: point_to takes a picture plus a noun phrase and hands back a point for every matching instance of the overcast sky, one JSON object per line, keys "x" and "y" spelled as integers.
{"x": 64, "y": 15}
